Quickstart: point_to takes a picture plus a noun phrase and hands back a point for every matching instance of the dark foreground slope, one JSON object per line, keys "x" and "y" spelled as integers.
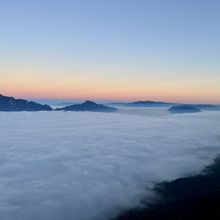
{"x": 196, "y": 197}
{"x": 12, "y": 104}
{"x": 88, "y": 106}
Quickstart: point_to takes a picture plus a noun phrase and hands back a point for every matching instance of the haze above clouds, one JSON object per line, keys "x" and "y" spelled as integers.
{"x": 90, "y": 166}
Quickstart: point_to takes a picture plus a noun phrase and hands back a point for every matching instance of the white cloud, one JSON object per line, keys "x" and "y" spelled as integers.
{"x": 89, "y": 166}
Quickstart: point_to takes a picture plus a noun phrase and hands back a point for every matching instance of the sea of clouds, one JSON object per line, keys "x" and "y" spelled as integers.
{"x": 91, "y": 166}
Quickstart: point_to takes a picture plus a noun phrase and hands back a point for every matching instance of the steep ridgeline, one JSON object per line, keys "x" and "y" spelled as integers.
{"x": 149, "y": 104}
{"x": 11, "y": 104}
{"x": 87, "y": 106}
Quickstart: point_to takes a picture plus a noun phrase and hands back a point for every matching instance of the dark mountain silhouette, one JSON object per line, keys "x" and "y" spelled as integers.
{"x": 190, "y": 198}
{"x": 87, "y": 106}
{"x": 183, "y": 109}
{"x": 12, "y": 104}
{"x": 149, "y": 104}
{"x": 204, "y": 106}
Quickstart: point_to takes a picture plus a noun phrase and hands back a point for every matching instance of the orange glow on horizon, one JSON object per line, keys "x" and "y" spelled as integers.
{"x": 98, "y": 87}
{"x": 167, "y": 92}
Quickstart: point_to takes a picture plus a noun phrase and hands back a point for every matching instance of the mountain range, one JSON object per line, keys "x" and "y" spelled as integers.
{"x": 12, "y": 104}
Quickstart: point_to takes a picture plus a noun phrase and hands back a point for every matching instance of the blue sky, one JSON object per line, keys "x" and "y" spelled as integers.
{"x": 118, "y": 50}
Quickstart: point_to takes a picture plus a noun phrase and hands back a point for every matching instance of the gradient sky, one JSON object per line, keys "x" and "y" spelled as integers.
{"x": 111, "y": 49}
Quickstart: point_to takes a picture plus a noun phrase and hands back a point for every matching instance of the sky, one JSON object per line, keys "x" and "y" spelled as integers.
{"x": 118, "y": 50}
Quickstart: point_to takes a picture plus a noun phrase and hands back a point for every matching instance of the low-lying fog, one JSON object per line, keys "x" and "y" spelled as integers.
{"x": 144, "y": 111}
{"x": 90, "y": 166}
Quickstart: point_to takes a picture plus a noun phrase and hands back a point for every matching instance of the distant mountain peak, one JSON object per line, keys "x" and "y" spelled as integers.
{"x": 183, "y": 109}
{"x": 87, "y": 102}
{"x": 149, "y": 104}
{"x": 88, "y": 106}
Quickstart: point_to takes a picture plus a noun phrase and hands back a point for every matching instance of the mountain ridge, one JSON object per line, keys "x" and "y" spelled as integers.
{"x": 12, "y": 104}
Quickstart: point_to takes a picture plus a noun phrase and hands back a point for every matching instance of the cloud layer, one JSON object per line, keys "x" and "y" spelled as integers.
{"x": 90, "y": 166}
